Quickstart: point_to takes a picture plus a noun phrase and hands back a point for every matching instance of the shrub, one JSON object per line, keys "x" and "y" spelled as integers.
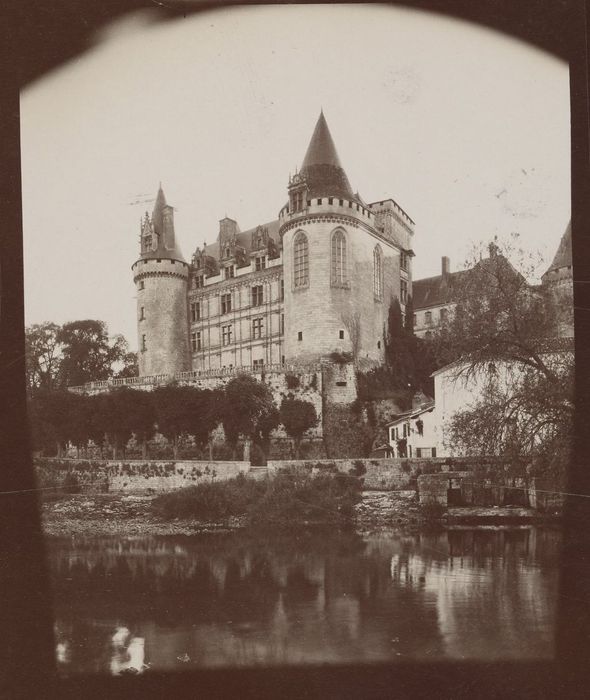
{"x": 295, "y": 496}
{"x": 359, "y": 468}
{"x": 210, "y": 501}
{"x": 341, "y": 358}
{"x": 71, "y": 484}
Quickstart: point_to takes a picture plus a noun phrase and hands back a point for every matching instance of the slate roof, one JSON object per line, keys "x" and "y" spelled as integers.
{"x": 244, "y": 239}
{"x": 563, "y": 256}
{"x": 167, "y": 249}
{"x": 435, "y": 291}
{"x": 321, "y": 166}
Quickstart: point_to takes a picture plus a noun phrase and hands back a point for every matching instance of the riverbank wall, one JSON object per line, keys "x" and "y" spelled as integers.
{"x": 131, "y": 476}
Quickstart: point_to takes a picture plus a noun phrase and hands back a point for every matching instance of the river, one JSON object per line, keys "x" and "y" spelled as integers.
{"x": 130, "y": 604}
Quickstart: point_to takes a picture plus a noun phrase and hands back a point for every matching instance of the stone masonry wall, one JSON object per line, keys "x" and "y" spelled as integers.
{"x": 385, "y": 474}
{"x": 138, "y": 477}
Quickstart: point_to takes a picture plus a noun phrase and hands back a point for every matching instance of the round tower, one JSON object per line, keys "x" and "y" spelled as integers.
{"x": 161, "y": 280}
{"x": 340, "y": 271}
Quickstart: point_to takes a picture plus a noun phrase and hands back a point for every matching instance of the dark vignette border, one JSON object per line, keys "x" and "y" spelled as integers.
{"x": 36, "y": 36}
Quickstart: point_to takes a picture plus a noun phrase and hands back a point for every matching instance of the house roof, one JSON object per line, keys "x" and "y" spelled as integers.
{"x": 321, "y": 166}
{"x": 244, "y": 239}
{"x": 410, "y": 415}
{"x": 563, "y": 255}
{"x": 436, "y": 291}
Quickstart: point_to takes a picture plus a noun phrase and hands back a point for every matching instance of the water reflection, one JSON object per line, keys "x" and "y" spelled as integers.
{"x": 127, "y": 604}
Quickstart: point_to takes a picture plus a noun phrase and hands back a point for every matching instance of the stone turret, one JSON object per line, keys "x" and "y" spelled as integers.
{"x": 161, "y": 278}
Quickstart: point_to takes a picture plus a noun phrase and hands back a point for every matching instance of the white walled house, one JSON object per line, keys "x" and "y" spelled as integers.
{"x": 419, "y": 429}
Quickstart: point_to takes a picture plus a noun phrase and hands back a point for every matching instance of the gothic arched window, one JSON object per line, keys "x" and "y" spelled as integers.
{"x": 339, "y": 275}
{"x": 300, "y": 261}
{"x": 377, "y": 272}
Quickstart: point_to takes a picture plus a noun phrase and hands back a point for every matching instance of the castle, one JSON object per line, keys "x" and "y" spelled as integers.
{"x": 316, "y": 280}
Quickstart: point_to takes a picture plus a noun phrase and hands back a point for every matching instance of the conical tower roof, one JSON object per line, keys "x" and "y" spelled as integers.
{"x": 321, "y": 166}
{"x": 563, "y": 256}
{"x": 163, "y": 227}
{"x": 158, "y": 213}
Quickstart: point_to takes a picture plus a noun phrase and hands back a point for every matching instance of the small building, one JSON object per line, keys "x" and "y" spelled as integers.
{"x": 414, "y": 433}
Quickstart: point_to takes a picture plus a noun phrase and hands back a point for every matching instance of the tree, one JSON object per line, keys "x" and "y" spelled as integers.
{"x": 172, "y": 417}
{"x": 297, "y": 416}
{"x": 142, "y": 417}
{"x": 43, "y": 356}
{"x": 506, "y": 331}
{"x": 498, "y": 315}
{"x": 247, "y": 403}
{"x": 88, "y": 354}
{"x": 204, "y": 408}
{"x": 400, "y": 348}
{"x": 268, "y": 422}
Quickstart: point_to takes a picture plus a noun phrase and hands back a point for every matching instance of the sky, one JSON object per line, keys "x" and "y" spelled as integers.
{"x": 467, "y": 129}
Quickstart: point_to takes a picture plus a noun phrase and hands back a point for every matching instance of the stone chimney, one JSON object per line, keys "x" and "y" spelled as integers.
{"x": 446, "y": 265}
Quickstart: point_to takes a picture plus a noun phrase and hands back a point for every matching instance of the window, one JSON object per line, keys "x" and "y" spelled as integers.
{"x": 341, "y": 202}
{"x": 330, "y": 200}
{"x": 319, "y": 201}
{"x": 414, "y": 319}
{"x": 258, "y": 364}
{"x": 341, "y": 335}
{"x": 196, "y": 311}
{"x": 300, "y": 335}
{"x": 428, "y": 318}
{"x": 226, "y": 335}
{"x": 257, "y": 295}
{"x": 260, "y": 263}
{"x": 147, "y": 243}
{"x": 443, "y": 315}
{"x": 142, "y": 314}
{"x": 282, "y": 291}
{"x": 297, "y": 201}
{"x": 257, "y": 327}
{"x": 143, "y": 343}
{"x": 282, "y": 359}
{"x": 229, "y": 272}
{"x": 338, "y": 258}
{"x": 141, "y": 284}
{"x": 282, "y": 324}
{"x": 403, "y": 290}
{"x": 198, "y": 282}
{"x": 196, "y": 341}
{"x": 225, "y": 303}
{"x": 403, "y": 261}
{"x": 377, "y": 272}
{"x": 378, "y": 345}
{"x": 300, "y": 261}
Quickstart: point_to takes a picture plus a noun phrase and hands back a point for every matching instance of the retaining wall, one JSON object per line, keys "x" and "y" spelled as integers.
{"x": 133, "y": 476}
{"x": 386, "y": 474}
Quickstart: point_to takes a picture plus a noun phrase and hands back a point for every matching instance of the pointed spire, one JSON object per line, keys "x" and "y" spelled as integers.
{"x": 321, "y": 166}
{"x": 321, "y": 149}
{"x": 158, "y": 213}
{"x": 563, "y": 255}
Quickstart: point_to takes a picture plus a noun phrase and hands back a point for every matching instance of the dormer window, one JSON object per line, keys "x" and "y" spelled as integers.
{"x": 297, "y": 201}
{"x": 260, "y": 263}
{"x": 229, "y": 272}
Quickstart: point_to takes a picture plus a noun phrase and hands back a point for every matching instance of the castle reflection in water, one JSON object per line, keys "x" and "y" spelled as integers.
{"x": 131, "y": 604}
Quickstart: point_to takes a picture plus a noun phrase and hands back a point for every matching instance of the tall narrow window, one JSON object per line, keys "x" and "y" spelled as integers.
{"x": 377, "y": 272}
{"x": 225, "y": 303}
{"x": 226, "y": 334}
{"x": 260, "y": 263}
{"x": 282, "y": 291}
{"x": 338, "y": 258}
{"x": 257, "y": 328}
{"x": 300, "y": 261}
{"x": 257, "y": 295}
{"x": 196, "y": 341}
{"x": 142, "y": 314}
{"x": 144, "y": 342}
{"x": 403, "y": 288}
{"x": 195, "y": 311}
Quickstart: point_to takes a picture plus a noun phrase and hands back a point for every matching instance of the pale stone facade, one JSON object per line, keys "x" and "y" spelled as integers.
{"x": 315, "y": 281}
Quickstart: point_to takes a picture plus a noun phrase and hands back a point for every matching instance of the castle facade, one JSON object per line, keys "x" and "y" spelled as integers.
{"x": 316, "y": 280}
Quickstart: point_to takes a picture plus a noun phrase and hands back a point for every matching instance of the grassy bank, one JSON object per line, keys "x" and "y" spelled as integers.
{"x": 292, "y": 497}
